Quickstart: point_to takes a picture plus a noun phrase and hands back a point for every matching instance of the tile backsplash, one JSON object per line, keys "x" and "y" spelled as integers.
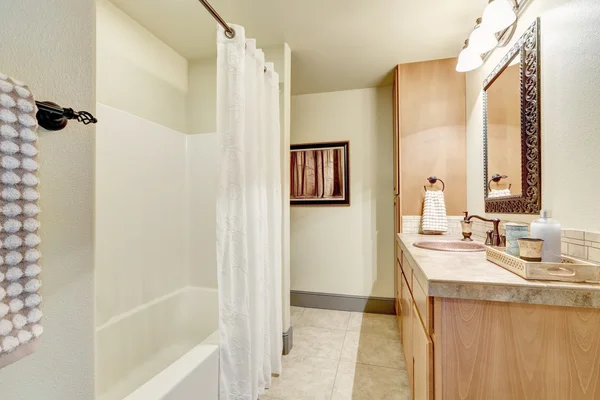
{"x": 580, "y": 244}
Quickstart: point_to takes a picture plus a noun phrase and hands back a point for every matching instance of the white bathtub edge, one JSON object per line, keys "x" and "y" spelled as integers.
{"x": 196, "y": 370}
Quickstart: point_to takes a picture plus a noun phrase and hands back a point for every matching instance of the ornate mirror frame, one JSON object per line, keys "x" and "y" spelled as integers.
{"x": 530, "y": 201}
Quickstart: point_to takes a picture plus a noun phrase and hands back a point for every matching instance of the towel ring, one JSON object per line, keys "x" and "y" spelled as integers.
{"x": 496, "y": 178}
{"x": 434, "y": 179}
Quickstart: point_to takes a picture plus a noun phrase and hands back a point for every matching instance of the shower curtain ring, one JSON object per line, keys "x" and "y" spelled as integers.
{"x": 230, "y": 34}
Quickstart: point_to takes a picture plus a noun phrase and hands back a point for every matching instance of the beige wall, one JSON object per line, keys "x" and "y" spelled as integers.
{"x": 347, "y": 250}
{"x": 137, "y": 72}
{"x": 201, "y": 100}
{"x": 51, "y": 46}
{"x": 570, "y": 88}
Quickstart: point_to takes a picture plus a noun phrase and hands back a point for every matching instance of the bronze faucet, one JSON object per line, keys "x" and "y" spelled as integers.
{"x": 493, "y": 236}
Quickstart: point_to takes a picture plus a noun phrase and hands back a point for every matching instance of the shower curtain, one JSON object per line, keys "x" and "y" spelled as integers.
{"x": 249, "y": 212}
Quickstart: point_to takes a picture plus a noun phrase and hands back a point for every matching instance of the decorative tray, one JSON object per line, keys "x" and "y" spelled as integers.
{"x": 569, "y": 270}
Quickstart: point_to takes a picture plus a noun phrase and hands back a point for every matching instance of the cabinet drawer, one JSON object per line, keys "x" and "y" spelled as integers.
{"x": 422, "y": 301}
{"x": 399, "y": 253}
{"x": 422, "y": 360}
{"x": 408, "y": 273}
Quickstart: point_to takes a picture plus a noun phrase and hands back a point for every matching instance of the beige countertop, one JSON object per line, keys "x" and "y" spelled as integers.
{"x": 471, "y": 276}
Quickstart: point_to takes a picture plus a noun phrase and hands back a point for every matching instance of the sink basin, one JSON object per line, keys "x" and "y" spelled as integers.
{"x": 450, "y": 245}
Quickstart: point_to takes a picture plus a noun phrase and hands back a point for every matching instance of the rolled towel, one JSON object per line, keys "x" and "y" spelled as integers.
{"x": 435, "y": 220}
{"x": 499, "y": 193}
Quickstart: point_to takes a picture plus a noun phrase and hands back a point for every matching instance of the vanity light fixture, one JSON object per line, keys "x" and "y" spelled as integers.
{"x": 482, "y": 38}
{"x": 499, "y": 15}
{"x": 468, "y": 59}
{"x": 493, "y": 27}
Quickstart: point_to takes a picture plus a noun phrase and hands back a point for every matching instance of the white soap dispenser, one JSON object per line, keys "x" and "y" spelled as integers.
{"x": 548, "y": 230}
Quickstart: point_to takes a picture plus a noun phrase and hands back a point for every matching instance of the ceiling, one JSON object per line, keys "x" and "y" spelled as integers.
{"x": 336, "y": 44}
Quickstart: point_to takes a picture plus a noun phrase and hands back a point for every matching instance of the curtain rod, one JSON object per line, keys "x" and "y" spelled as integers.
{"x": 229, "y": 32}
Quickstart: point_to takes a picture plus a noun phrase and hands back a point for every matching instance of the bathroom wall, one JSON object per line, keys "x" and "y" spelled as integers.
{"x": 51, "y": 47}
{"x": 137, "y": 72}
{"x": 347, "y": 250}
{"x": 570, "y": 97}
{"x": 201, "y": 100}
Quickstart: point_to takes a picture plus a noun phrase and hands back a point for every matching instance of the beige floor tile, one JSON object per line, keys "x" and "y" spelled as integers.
{"x": 367, "y": 382}
{"x": 374, "y": 324}
{"x": 295, "y": 313}
{"x": 373, "y": 350}
{"x": 318, "y": 342}
{"x": 324, "y": 319}
{"x": 304, "y": 378}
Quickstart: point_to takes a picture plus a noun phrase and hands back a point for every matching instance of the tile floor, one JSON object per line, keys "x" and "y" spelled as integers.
{"x": 340, "y": 355}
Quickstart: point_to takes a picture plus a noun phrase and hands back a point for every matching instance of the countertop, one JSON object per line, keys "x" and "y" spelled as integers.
{"x": 471, "y": 276}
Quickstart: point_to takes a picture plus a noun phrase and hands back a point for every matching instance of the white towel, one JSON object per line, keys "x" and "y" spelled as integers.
{"x": 435, "y": 220}
{"x": 20, "y": 310}
{"x": 499, "y": 193}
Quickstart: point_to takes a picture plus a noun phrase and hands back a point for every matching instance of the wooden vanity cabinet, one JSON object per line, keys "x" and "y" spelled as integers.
{"x": 459, "y": 349}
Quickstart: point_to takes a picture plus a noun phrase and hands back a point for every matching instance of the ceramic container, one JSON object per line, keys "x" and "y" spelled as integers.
{"x": 530, "y": 249}
{"x": 467, "y": 230}
{"x": 514, "y": 232}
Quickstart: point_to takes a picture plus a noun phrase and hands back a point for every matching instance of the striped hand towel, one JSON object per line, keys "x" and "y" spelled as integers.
{"x": 435, "y": 220}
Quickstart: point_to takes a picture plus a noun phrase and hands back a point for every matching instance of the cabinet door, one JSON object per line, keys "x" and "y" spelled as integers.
{"x": 398, "y": 281}
{"x": 423, "y": 360}
{"x": 396, "y": 125}
{"x": 397, "y": 287}
{"x": 407, "y": 321}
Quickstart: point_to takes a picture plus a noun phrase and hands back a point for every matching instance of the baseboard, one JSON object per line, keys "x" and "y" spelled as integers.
{"x": 288, "y": 341}
{"x": 342, "y": 302}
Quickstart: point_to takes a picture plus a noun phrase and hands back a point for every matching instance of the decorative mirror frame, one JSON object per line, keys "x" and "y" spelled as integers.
{"x": 530, "y": 201}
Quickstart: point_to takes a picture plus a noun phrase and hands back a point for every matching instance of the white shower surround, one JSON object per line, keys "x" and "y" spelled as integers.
{"x": 156, "y": 295}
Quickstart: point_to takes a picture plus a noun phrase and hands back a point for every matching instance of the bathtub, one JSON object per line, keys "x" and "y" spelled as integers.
{"x": 193, "y": 376}
{"x": 162, "y": 350}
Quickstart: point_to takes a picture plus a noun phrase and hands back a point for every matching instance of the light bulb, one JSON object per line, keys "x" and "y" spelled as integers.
{"x": 482, "y": 39}
{"x": 468, "y": 60}
{"x": 499, "y": 15}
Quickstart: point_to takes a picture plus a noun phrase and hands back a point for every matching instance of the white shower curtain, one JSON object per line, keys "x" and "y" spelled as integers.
{"x": 249, "y": 212}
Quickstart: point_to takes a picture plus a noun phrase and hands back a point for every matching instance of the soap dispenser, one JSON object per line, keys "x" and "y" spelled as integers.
{"x": 549, "y": 231}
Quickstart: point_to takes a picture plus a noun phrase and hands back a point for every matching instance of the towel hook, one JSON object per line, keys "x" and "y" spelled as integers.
{"x": 53, "y": 117}
{"x": 433, "y": 179}
{"x": 496, "y": 178}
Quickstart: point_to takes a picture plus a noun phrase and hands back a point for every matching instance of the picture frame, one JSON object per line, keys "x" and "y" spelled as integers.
{"x": 320, "y": 174}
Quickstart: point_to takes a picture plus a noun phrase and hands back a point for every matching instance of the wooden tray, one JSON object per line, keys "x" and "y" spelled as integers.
{"x": 570, "y": 270}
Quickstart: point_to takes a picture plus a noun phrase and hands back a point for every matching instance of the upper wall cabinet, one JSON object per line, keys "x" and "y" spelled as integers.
{"x": 511, "y": 130}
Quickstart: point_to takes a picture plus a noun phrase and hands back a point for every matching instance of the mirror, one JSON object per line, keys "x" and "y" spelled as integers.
{"x": 504, "y": 132}
{"x": 512, "y": 130}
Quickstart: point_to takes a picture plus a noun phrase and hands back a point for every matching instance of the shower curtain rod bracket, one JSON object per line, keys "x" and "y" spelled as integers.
{"x": 53, "y": 117}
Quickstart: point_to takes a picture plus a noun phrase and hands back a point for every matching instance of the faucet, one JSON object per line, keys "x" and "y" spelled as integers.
{"x": 493, "y": 236}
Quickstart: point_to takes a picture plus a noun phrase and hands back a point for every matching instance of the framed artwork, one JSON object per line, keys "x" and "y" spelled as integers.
{"x": 320, "y": 174}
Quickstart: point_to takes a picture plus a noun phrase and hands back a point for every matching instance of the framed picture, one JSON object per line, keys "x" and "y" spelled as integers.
{"x": 320, "y": 174}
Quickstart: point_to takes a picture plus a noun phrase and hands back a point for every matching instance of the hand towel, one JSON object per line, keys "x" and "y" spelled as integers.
{"x": 499, "y": 193}
{"x": 435, "y": 220}
{"x": 20, "y": 311}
